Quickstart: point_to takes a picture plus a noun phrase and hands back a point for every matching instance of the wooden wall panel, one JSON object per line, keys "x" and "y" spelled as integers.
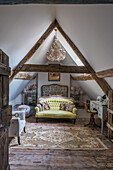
{"x": 5, "y": 90}
{"x": 5, "y": 110}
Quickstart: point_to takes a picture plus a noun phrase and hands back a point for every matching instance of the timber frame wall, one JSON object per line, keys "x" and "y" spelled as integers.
{"x": 5, "y": 111}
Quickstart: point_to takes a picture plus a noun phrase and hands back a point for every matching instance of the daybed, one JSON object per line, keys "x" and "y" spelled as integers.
{"x": 55, "y": 107}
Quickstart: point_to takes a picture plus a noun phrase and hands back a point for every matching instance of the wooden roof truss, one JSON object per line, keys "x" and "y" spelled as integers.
{"x": 23, "y": 67}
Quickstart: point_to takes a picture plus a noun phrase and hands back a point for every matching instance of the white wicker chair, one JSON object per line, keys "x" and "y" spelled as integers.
{"x": 17, "y": 124}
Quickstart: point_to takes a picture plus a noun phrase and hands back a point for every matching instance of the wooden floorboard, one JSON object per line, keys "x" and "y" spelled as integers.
{"x": 24, "y": 159}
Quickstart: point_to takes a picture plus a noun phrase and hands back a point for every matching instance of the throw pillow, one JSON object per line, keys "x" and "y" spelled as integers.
{"x": 46, "y": 106}
{"x": 67, "y": 105}
{"x": 70, "y": 107}
{"x": 63, "y": 106}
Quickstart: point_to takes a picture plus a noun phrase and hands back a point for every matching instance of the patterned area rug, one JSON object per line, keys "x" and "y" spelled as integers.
{"x": 58, "y": 137}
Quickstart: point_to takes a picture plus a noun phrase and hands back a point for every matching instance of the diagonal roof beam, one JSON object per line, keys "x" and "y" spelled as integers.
{"x": 101, "y": 82}
{"x": 32, "y": 51}
{"x": 105, "y": 73}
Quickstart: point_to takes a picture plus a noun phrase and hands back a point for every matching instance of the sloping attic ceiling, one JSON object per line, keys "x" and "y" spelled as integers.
{"x": 21, "y": 26}
{"x": 39, "y": 57}
{"x": 88, "y": 26}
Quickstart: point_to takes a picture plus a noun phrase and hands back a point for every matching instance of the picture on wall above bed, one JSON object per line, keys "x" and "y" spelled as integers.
{"x": 53, "y": 76}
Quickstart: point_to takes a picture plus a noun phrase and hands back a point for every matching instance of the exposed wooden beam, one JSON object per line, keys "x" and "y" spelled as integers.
{"x": 12, "y": 2}
{"x": 100, "y": 74}
{"x": 23, "y": 76}
{"x": 33, "y": 50}
{"x": 110, "y": 111}
{"x": 35, "y": 76}
{"x": 83, "y": 77}
{"x": 101, "y": 82}
{"x": 111, "y": 129}
{"x": 53, "y": 68}
{"x": 105, "y": 73}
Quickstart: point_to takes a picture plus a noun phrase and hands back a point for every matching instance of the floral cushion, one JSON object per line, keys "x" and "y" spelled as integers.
{"x": 63, "y": 106}
{"x": 70, "y": 108}
{"x": 46, "y": 106}
{"x": 67, "y": 107}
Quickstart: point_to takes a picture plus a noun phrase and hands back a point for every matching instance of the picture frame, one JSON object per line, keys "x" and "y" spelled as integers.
{"x": 53, "y": 76}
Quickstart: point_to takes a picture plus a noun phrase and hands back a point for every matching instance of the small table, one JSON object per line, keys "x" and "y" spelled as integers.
{"x": 102, "y": 111}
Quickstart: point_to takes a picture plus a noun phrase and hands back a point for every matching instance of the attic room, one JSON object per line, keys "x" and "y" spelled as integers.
{"x": 56, "y": 78}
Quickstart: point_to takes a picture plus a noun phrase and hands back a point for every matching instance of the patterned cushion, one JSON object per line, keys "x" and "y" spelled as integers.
{"x": 70, "y": 108}
{"x": 46, "y": 106}
{"x": 63, "y": 106}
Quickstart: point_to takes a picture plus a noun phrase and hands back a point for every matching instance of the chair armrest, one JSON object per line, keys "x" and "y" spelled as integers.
{"x": 92, "y": 111}
{"x": 37, "y": 109}
{"x": 74, "y": 110}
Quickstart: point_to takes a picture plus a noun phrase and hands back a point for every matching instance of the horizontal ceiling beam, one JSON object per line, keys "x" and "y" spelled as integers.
{"x": 23, "y": 76}
{"x": 11, "y": 2}
{"x": 53, "y": 68}
{"x": 105, "y": 73}
{"x": 82, "y": 77}
{"x": 100, "y": 74}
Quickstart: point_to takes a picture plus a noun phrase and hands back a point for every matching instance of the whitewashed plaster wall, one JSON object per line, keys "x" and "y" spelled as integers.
{"x": 21, "y": 26}
{"x": 83, "y": 97}
{"x": 16, "y": 101}
{"x": 12, "y": 102}
{"x": 90, "y": 28}
{"x": 91, "y": 88}
{"x": 43, "y": 80}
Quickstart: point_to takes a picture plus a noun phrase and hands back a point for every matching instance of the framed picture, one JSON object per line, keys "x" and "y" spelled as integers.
{"x": 53, "y": 76}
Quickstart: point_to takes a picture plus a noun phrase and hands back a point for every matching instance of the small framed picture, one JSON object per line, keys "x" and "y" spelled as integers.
{"x": 53, "y": 76}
